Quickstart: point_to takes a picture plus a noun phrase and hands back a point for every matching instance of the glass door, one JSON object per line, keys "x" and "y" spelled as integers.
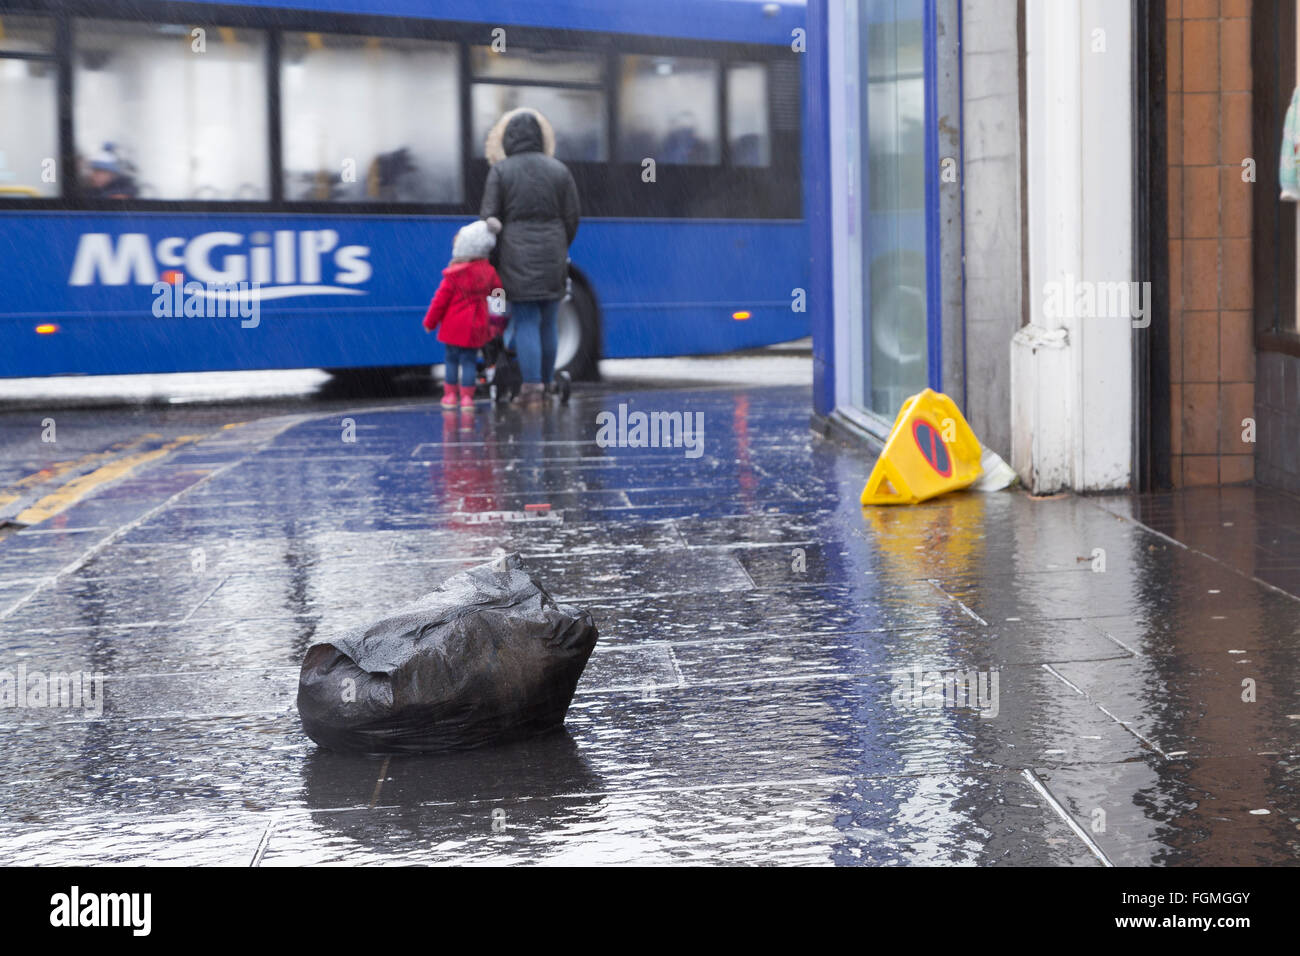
{"x": 894, "y": 353}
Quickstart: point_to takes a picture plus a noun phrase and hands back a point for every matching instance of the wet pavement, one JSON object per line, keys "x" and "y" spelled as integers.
{"x": 759, "y": 692}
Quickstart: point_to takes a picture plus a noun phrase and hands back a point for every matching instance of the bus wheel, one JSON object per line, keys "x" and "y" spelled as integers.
{"x": 577, "y": 326}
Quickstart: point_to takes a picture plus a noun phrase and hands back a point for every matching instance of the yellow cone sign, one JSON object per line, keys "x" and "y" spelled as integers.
{"x": 930, "y": 450}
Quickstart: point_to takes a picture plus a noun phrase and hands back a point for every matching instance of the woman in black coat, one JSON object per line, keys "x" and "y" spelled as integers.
{"x": 533, "y": 195}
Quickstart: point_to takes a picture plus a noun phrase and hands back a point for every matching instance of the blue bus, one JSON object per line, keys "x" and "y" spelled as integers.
{"x": 314, "y": 159}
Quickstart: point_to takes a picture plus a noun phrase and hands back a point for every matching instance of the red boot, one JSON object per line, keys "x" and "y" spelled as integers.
{"x": 466, "y": 396}
{"x": 450, "y": 396}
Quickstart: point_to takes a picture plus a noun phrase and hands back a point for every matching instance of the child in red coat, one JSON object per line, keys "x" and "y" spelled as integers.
{"x": 460, "y": 308}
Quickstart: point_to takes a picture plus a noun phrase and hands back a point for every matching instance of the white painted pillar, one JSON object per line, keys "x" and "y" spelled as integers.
{"x": 1071, "y": 367}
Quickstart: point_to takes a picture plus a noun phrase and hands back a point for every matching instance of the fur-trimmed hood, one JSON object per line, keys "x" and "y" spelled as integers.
{"x": 498, "y": 145}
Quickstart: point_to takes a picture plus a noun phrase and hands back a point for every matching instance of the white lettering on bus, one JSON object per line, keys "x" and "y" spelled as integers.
{"x": 95, "y": 253}
{"x": 225, "y": 257}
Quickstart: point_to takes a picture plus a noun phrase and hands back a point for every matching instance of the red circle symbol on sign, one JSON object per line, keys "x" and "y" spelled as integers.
{"x": 932, "y": 447}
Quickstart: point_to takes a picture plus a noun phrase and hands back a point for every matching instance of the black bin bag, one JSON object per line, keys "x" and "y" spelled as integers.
{"x": 487, "y": 657}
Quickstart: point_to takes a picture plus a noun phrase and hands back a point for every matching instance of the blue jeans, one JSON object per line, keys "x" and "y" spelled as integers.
{"x": 531, "y": 334}
{"x": 462, "y": 366}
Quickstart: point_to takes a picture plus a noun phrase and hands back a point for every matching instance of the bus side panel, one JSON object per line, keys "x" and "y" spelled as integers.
{"x": 350, "y": 291}
{"x": 672, "y": 288}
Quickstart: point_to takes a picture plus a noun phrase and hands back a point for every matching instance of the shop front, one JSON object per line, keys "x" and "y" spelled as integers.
{"x": 884, "y": 338}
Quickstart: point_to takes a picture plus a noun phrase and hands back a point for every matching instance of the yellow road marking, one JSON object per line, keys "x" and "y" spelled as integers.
{"x": 78, "y": 488}
{"x": 21, "y": 486}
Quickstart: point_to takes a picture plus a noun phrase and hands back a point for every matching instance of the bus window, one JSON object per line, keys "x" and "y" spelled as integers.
{"x": 747, "y": 133}
{"x": 578, "y": 117}
{"x": 28, "y": 109}
{"x": 537, "y": 66}
{"x": 564, "y": 86}
{"x": 370, "y": 119}
{"x": 170, "y": 111}
{"x": 668, "y": 110}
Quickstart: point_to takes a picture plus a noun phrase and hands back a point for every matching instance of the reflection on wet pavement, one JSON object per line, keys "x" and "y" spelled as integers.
{"x": 781, "y": 677}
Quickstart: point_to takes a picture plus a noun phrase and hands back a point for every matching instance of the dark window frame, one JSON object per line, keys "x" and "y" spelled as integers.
{"x": 275, "y": 116}
{"x": 55, "y": 61}
{"x": 608, "y": 189}
{"x": 603, "y": 86}
{"x": 768, "y": 119}
{"x": 271, "y": 41}
{"x": 720, "y": 90}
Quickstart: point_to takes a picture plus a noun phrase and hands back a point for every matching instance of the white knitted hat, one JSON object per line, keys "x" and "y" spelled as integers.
{"x": 475, "y": 241}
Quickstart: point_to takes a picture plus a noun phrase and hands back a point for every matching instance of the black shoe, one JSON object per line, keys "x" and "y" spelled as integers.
{"x": 561, "y": 387}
